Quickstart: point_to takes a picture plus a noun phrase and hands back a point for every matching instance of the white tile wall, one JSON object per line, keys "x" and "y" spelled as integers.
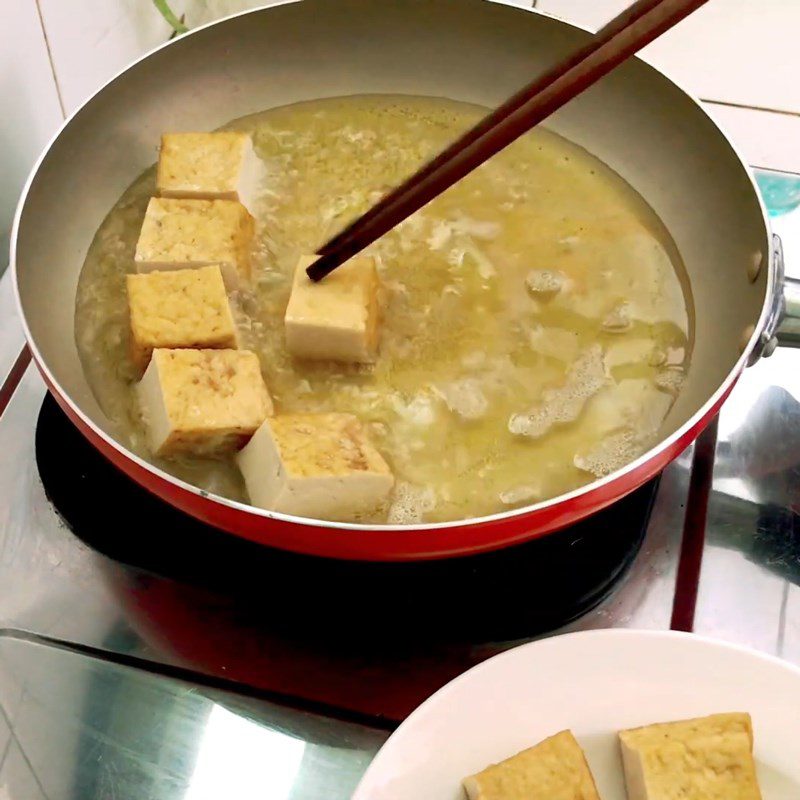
{"x": 741, "y": 51}
{"x": 91, "y": 40}
{"x": 766, "y": 139}
{"x": 31, "y": 111}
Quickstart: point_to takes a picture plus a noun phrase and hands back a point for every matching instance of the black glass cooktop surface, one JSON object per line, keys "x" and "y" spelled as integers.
{"x": 517, "y": 592}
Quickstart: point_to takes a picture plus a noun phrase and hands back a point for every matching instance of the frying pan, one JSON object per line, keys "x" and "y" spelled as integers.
{"x": 637, "y": 121}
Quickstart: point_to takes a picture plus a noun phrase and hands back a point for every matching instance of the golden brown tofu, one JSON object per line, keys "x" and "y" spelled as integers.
{"x": 184, "y": 234}
{"x": 178, "y": 309}
{"x": 209, "y": 166}
{"x": 202, "y": 402}
{"x": 337, "y": 318}
{"x": 554, "y": 769}
{"x": 315, "y": 465}
{"x": 710, "y": 758}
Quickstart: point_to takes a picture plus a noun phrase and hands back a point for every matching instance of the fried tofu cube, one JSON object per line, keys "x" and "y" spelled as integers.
{"x": 185, "y": 234}
{"x": 710, "y": 758}
{"x": 178, "y": 309}
{"x": 554, "y": 769}
{"x": 202, "y": 402}
{"x": 209, "y": 166}
{"x": 315, "y": 465}
{"x": 337, "y": 318}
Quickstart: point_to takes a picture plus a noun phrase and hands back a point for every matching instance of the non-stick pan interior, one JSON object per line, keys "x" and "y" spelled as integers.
{"x": 636, "y": 121}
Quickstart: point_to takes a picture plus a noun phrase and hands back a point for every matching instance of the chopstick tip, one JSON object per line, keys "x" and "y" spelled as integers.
{"x": 319, "y": 269}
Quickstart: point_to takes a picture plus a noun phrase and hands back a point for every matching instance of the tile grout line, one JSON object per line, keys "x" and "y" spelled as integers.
{"x": 788, "y": 173}
{"x": 50, "y": 59}
{"x": 12, "y": 739}
{"x": 4, "y": 754}
{"x": 26, "y": 759}
{"x": 745, "y": 107}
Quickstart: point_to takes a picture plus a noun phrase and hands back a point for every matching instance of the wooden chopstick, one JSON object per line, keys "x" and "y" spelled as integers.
{"x": 625, "y": 35}
{"x": 490, "y": 120}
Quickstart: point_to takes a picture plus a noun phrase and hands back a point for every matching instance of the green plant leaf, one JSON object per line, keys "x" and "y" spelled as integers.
{"x": 169, "y": 16}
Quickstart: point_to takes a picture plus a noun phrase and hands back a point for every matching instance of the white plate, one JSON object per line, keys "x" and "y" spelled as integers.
{"x": 594, "y": 683}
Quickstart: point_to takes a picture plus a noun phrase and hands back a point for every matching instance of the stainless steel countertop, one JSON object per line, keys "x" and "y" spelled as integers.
{"x": 94, "y": 703}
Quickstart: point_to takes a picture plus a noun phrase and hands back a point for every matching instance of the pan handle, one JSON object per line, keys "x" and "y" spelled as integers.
{"x": 782, "y": 326}
{"x": 788, "y": 330}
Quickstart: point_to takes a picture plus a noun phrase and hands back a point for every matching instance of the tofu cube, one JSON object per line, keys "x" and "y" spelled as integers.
{"x": 554, "y": 769}
{"x": 185, "y": 234}
{"x": 183, "y": 308}
{"x": 315, "y": 465}
{"x": 337, "y": 318}
{"x": 209, "y": 166}
{"x": 202, "y": 402}
{"x": 710, "y": 758}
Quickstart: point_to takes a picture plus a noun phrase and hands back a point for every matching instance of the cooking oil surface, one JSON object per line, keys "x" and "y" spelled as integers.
{"x": 536, "y": 322}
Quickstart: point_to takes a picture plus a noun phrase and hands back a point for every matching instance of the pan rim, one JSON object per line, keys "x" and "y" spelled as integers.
{"x": 697, "y": 419}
